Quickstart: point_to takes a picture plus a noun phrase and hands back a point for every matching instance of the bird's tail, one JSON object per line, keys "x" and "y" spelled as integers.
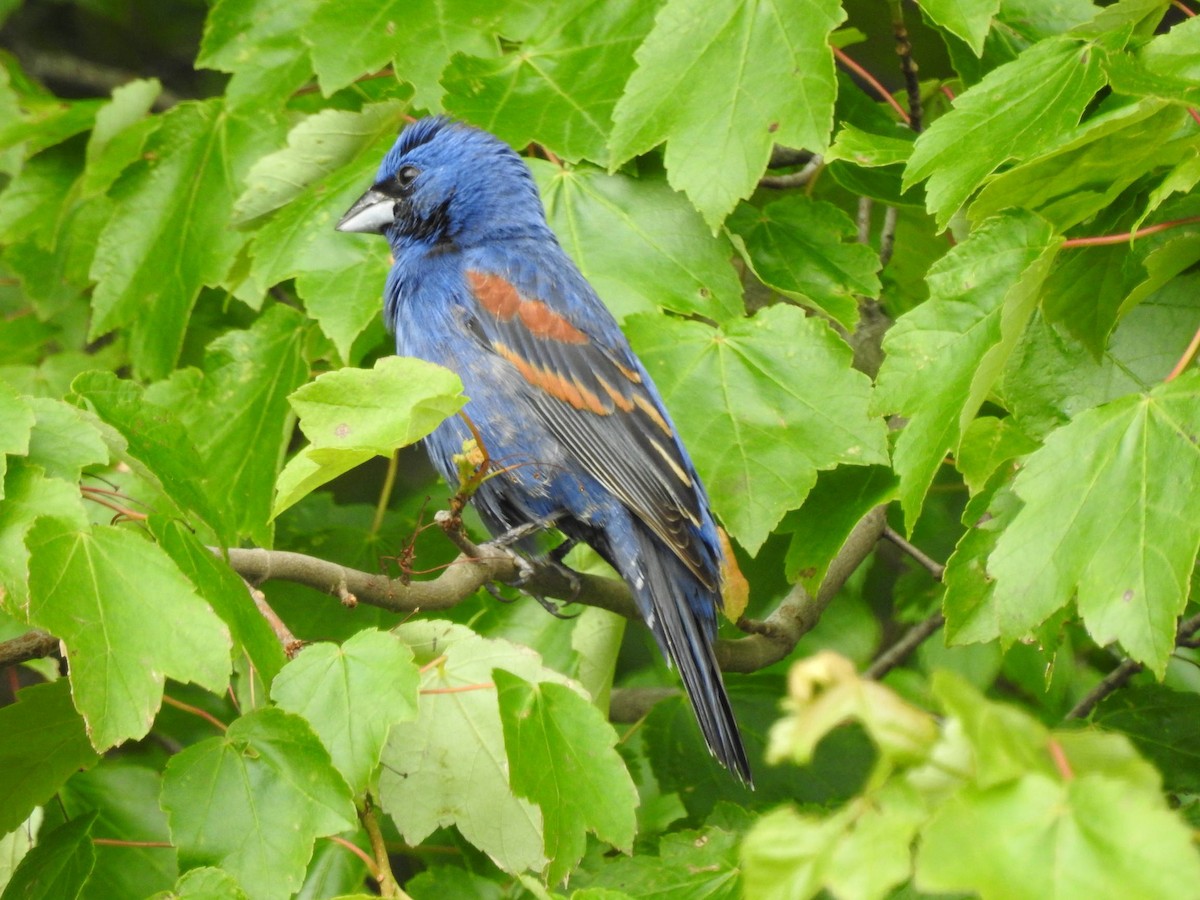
{"x": 681, "y": 613}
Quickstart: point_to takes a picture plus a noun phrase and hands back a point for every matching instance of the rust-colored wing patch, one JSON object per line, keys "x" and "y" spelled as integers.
{"x": 561, "y": 388}
{"x": 505, "y": 302}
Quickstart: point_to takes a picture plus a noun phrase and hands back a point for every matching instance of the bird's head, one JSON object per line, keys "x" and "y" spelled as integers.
{"x": 448, "y": 183}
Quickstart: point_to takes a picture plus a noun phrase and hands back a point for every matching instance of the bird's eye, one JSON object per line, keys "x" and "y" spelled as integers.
{"x": 407, "y": 176}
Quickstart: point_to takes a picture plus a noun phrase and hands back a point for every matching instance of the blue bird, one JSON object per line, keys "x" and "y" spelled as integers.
{"x": 583, "y": 442}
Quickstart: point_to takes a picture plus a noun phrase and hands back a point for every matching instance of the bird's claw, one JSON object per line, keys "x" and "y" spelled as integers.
{"x": 551, "y": 607}
{"x": 525, "y": 568}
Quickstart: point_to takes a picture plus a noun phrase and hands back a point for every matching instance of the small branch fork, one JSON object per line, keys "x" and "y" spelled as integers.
{"x": 1120, "y": 676}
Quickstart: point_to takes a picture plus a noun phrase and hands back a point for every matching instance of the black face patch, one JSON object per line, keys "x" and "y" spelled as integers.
{"x": 433, "y": 226}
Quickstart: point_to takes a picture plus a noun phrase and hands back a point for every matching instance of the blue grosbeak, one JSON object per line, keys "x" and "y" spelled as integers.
{"x": 583, "y": 443}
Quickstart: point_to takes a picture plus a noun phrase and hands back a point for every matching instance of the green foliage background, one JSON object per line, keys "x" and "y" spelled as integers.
{"x": 191, "y": 357}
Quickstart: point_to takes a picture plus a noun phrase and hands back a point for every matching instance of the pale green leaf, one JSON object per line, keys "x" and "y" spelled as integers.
{"x": 205, "y": 883}
{"x": 968, "y": 19}
{"x": 121, "y": 129}
{"x": 1043, "y": 838}
{"x": 861, "y": 851}
{"x": 351, "y": 415}
{"x": 864, "y": 148}
{"x": 168, "y": 235}
{"x": 640, "y": 244}
{"x": 807, "y": 250}
{"x": 92, "y": 589}
{"x": 316, "y": 148}
{"x": 223, "y": 590}
{"x": 746, "y": 401}
{"x": 1088, "y": 172}
{"x": 239, "y": 417}
{"x": 1017, "y": 111}
{"x": 152, "y": 440}
{"x": 397, "y": 402}
{"x": 987, "y": 443}
{"x": 449, "y": 766}
{"x": 62, "y": 441}
{"x": 44, "y": 744}
{"x": 944, "y": 356}
{"x": 259, "y": 42}
{"x": 1005, "y": 742}
{"x": 59, "y": 866}
{"x": 28, "y": 496}
{"x": 254, "y": 800}
{"x": 561, "y": 757}
{"x": 723, "y": 82}
{"x": 560, "y": 85}
{"x": 17, "y": 843}
{"x": 352, "y": 695}
{"x": 824, "y": 692}
{"x": 353, "y": 37}
{"x": 304, "y": 473}
{"x": 1108, "y": 520}
{"x": 126, "y": 796}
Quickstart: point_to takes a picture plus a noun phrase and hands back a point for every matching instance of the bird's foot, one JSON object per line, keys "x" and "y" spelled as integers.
{"x": 525, "y": 568}
{"x": 553, "y": 608}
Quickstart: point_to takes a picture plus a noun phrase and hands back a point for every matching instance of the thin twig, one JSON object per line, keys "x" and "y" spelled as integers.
{"x": 195, "y": 711}
{"x": 1060, "y": 760}
{"x": 1129, "y": 235}
{"x": 899, "y": 651}
{"x": 1188, "y": 355}
{"x": 887, "y": 236}
{"x": 794, "y": 179}
{"x": 291, "y": 644}
{"x": 936, "y": 569}
{"x": 1120, "y": 676}
{"x": 388, "y": 886}
{"x": 872, "y": 81}
{"x": 863, "y": 219}
{"x": 385, "y": 493}
{"x": 357, "y": 851}
{"x": 908, "y": 67}
{"x": 459, "y": 688}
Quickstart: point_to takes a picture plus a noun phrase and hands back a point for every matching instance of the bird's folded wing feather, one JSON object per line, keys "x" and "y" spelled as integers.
{"x": 593, "y": 398}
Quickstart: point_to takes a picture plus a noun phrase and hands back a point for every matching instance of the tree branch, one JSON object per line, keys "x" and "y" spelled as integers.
{"x": 770, "y": 641}
{"x": 1120, "y": 676}
{"x": 899, "y": 651}
{"x": 793, "y": 179}
{"x": 30, "y": 645}
{"x": 935, "y": 568}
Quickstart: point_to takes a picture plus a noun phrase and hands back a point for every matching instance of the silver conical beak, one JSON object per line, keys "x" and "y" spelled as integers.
{"x": 371, "y": 213}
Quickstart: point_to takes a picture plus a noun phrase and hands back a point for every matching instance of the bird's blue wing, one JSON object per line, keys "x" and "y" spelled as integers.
{"x": 593, "y": 395}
